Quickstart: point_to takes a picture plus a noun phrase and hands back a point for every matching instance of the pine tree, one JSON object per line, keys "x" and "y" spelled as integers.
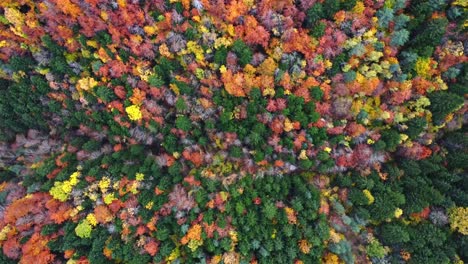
{"x": 442, "y": 104}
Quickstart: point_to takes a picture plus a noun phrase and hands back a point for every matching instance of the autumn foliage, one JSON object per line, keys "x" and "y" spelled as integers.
{"x": 241, "y": 131}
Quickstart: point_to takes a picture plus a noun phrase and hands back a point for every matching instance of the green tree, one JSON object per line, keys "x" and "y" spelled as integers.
{"x": 442, "y": 104}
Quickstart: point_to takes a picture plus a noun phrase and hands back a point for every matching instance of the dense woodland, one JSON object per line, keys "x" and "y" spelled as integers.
{"x": 233, "y": 131}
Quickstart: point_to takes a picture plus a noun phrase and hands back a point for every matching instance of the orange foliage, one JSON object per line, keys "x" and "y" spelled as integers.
{"x": 194, "y": 233}
{"x": 279, "y": 163}
{"x": 233, "y": 83}
{"x": 69, "y": 8}
{"x": 36, "y": 251}
{"x": 68, "y": 253}
{"x": 277, "y": 126}
{"x": 192, "y": 181}
{"x": 102, "y": 214}
{"x": 235, "y": 9}
{"x": 299, "y": 41}
{"x": 59, "y": 212}
{"x": 20, "y": 208}
{"x": 107, "y": 252}
{"x": 151, "y": 247}
{"x": 423, "y": 214}
{"x": 252, "y": 32}
{"x": 286, "y": 81}
{"x": 138, "y": 96}
{"x": 421, "y": 85}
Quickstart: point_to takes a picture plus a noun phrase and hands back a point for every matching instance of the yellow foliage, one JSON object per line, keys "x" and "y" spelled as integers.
{"x": 268, "y": 91}
{"x": 164, "y": 51}
{"x": 104, "y": 15}
{"x": 83, "y": 229}
{"x": 15, "y": 17}
{"x": 249, "y": 69}
{"x": 369, "y": 196}
{"x": 194, "y": 244}
{"x": 359, "y": 8}
{"x": 304, "y": 246}
{"x": 85, "y": 84}
{"x": 174, "y": 255}
{"x": 216, "y": 259}
{"x": 459, "y": 219}
{"x": 149, "y": 205}
{"x": 122, "y": 3}
{"x": 267, "y": 67}
{"x": 335, "y": 237}
{"x": 4, "y": 232}
{"x": 3, "y": 43}
{"x": 375, "y": 56}
{"x": 231, "y": 258}
{"x": 92, "y": 219}
{"x": 423, "y": 66}
{"x": 61, "y": 190}
{"x": 108, "y": 199}
{"x": 133, "y": 112}
{"x": 288, "y": 125}
{"x": 331, "y": 258}
{"x": 222, "y": 69}
{"x": 398, "y": 213}
{"x": 194, "y": 48}
{"x": 139, "y": 176}
{"x": 223, "y": 41}
{"x": 461, "y": 3}
{"x": 104, "y": 184}
{"x": 303, "y": 155}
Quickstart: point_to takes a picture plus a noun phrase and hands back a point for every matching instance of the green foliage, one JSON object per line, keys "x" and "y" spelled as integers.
{"x": 387, "y": 200}
{"x": 394, "y": 233}
{"x": 220, "y": 55}
{"x": 415, "y": 127}
{"x": 252, "y": 191}
{"x": 391, "y": 138}
{"x": 155, "y": 81}
{"x": 424, "y": 39}
{"x": 442, "y": 104}
{"x": 164, "y": 68}
{"x": 318, "y": 30}
{"x": 105, "y": 94}
{"x": 314, "y": 14}
{"x": 330, "y": 8}
{"x": 243, "y": 52}
{"x": 316, "y": 93}
{"x": 184, "y": 123}
{"x": 375, "y": 249}
{"x": 16, "y": 116}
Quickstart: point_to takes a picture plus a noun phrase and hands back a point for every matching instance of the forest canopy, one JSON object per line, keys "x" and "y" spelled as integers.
{"x": 237, "y": 131}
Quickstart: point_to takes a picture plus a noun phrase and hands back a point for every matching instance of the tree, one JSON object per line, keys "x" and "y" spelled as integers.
{"x": 399, "y": 37}
{"x": 242, "y": 51}
{"x": 184, "y": 123}
{"x": 394, "y": 233}
{"x": 442, "y": 104}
